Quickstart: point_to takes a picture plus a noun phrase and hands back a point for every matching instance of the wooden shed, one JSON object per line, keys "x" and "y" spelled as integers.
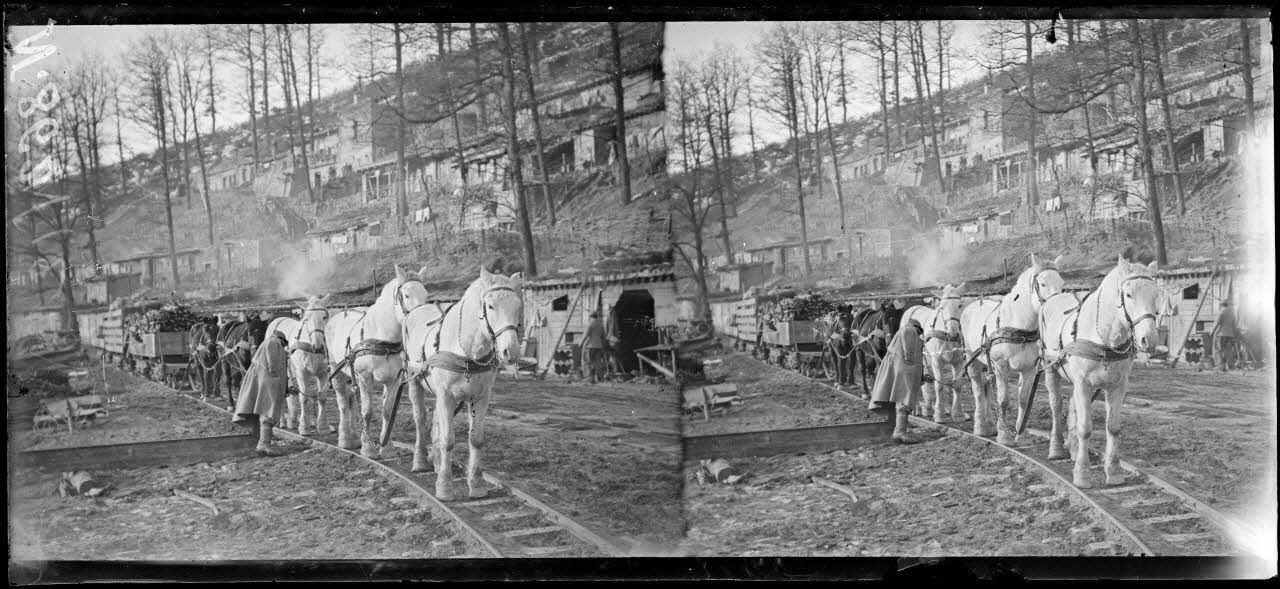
{"x": 635, "y": 304}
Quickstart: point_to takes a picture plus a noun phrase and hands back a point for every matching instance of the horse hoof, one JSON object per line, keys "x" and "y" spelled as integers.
{"x": 348, "y": 444}
{"x": 371, "y": 452}
{"x": 1115, "y": 480}
{"x": 444, "y": 493}
{"x": 1006, "y": 440}
{"x": 423, "y": 466}
{"x": 478, "y": 493}
{"x": 1057, "y": 455}
{"x": 1081, "y": 482}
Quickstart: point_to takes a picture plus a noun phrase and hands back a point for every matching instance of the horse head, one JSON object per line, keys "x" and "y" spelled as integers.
{"x": 949, "y": 308}
{"x": 405, "y": 292}
{"x": 890, "y": 317}
{"x": 314, "y": 319}
{"x": 1039, "y": 282}
{"x": 501, "y": 310}
{"x": 1140, "y": 299}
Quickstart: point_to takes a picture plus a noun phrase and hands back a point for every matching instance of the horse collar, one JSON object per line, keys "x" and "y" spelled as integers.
{"x": 399, "y": 302}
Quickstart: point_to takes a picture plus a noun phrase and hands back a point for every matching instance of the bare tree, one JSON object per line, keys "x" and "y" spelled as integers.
{"x": 924, "y": 102}
{"x": 689, "y": 205}
{"x": 620, "y": 115}
{"x": 150, "y": 63}
{"x": 1139, "y": 90}
{"x": 1246, "y": 72}
{"x": 532, "y": 95}
{"x": 189, "y": 70}
{"x": 87, "y": 90}
{"x": 516, "y": 181}
{"x": 780, "y": 59}
{"x": 1157, "y": 41}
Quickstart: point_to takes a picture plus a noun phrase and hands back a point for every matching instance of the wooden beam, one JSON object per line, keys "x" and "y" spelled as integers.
{"x": 786, "y": 441}
{"x": 656, "y": 366}
{"x": 161, "y": 453}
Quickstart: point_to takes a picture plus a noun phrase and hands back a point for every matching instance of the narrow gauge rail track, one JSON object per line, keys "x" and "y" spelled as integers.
{"x": 1157, "y": 517}
{"x": 509, "y": 523}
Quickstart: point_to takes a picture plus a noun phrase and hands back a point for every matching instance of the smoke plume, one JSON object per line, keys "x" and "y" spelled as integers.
{"x": 932, "y": 264}
{"x": 301, "y": 276}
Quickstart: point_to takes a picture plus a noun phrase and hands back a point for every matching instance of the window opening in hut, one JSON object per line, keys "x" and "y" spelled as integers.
{"x": 1191, "y": 293}
{"x": 560, "y": 304}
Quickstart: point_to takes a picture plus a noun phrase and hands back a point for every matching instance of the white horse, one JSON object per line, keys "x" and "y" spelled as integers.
{"x": 455, "y": 354}
{"x": 308, "y": 362}
{"x": 368, "y": 343}
{"x": 1004, "y": 336}
{"x": 1092, "y": 343}
{"x": 943, "y": 347}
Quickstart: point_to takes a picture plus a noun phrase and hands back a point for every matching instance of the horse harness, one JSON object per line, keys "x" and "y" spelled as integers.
{"x": 304, "y": 346}
{"x": 467, "y": 365}
{"x": 938, "y": 334}
{"x": 1095, "y": 351}
{"x": 376, "y": 347}
{"x": 1008, "y": 335}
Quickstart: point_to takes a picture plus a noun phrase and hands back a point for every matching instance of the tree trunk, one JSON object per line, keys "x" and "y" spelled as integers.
{"x": 620, "y": 116}
{"x": 124, "y": 174}
{"x": 157, "y": 93}
{"x": 1246, "y": 74}
{"x": 1073, "y": 46}
{"x": 844, "y": 83}
{"x": 537, "y": 124}
{"x": 444, "y": 43}
{"x": 402, "y": 199}
{"x": 1144, "y": 140}
{"x": 897, "y": 92}
{"x": 1169, "y": 139}
{"x": 724, "y": 211}
{"x": 928, "y": 104}
{"x": 815, "y": 132}
{"x": 68, "y": 295}
{"x": 213, "y": 94}
{"x": 884, "y": 96}
{"x": 924, "y": 110}
{"x": 288, "y": 109}
{"x": 1033, "y": 159}
{"x": 751, "y": 133}
{"x": 204, "y": 169}
{"x": 475, "y": 56}
{"x": 87, "y": 194}
{"x": 253, "y": 102}
{"x": 835, "y": 169}
{"x": 513, "y": 147}
{"x": 793, "y": 126}
{"x": 266, "y": 96}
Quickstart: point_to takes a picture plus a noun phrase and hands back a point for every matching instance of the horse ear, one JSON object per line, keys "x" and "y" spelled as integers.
{"x": 1035, "y": 262}
{"x": 1058, "y": 260}
{"x": 399, "y": 272}
{"x": 484, "y": 272}
{"x": 422, "y": 273}
{"x": 1120, "y": 261}
{"x": 1154, "y": 265}
{"x": 959, "y": 288}
{"x": 518, "y": 277}
{"x": 325, "y": 300}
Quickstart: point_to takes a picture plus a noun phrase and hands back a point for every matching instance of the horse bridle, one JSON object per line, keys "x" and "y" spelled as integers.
{"x": 1035, "y": 283}
{"x": 484, "y": 314}
{"x": 934, "y": 326}
{"x": 400, "y": 297}
{"x": 303, "y": 320}
{"x": 1133, "y": 325}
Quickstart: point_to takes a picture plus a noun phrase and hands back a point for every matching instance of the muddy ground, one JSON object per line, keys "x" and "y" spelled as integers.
{"x": 1211, "y": 434}
{"x": 308, "y": 504}
{"x": 311, "y": 504}
{"x": 773, "y": 398}
{"x": 948, "y": 496}
{"x": 607, "y": 455}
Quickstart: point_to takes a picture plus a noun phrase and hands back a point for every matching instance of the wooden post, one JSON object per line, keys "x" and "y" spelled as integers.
{"x": 1204, "y": 295}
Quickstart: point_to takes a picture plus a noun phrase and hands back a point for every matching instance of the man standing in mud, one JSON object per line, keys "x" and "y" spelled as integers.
{"x": 899, "y": 379}
{"x": 593, "y": 345}
{"x": 1226, "y": 332}
{"x": 262, "y": 394}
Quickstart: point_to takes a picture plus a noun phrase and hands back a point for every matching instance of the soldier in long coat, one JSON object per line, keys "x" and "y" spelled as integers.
{"x": 262, "y": 394}
{"x": 899, "y": 379}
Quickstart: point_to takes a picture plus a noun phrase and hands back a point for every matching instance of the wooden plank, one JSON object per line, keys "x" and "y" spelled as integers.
{"x": 656, "y": 366}
{"x": 786, "y": 441}
{"x": 161, "y": 453}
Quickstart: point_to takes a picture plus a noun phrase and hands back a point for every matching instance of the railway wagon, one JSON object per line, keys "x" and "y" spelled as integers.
{"x": 163, "y": 356}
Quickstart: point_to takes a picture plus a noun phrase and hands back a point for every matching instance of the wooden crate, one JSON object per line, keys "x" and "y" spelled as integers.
{"x": 791, "y": 333}
{"x": 165, "y": 343}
